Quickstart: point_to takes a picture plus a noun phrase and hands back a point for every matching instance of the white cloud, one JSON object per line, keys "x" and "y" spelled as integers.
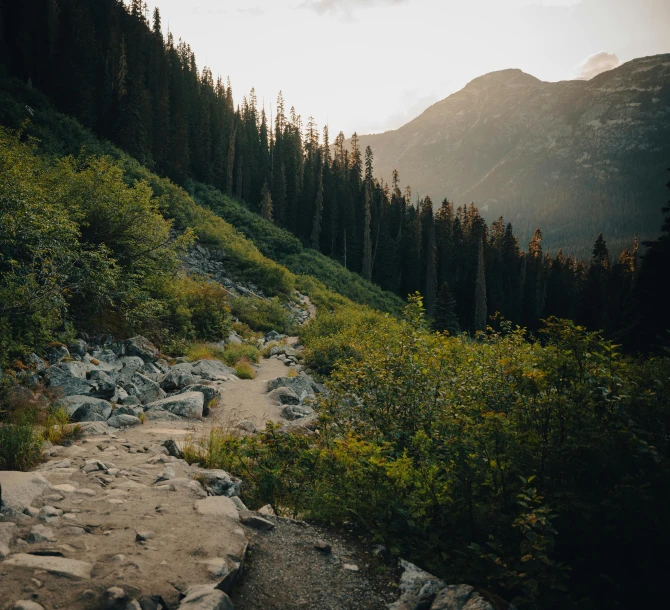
{"x": 344, "y": 7}
{"x": 595, "y": 64}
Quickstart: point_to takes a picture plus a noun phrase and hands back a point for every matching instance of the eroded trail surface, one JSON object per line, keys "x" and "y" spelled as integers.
{"x": 116, "y": 522}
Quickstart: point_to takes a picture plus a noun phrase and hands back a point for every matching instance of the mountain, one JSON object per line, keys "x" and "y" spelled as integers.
{"x": 573, "y": 157}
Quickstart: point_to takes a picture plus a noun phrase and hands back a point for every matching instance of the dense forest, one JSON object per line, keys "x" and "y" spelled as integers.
{"x": 111, "y": 67}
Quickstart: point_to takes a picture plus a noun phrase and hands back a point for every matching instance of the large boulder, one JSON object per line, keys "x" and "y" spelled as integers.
{"x": 189, "y": 405}
{"x": 158, "y": 414}
{"x": 123, "y": 421}
{"x": 301, "y": 385}
{"x": 205, "y": 597}
{"x": 142, "y": 347}
{"x": 417, "y": 588}
{"x": 129, "y": 409}
{"x": 56, "y": 353}
{"x": 177, "y": 379}
{"x": 210, "y": 393}
{"x": 18, "y": 490}
{"x": 213, "y": 370}
{"x": 146, "y": 390}
{"x": 69, "y": 378}
{"x": 293, "y": 412}
{"x": 78, "y": 347}
{"x": 285, "y": 396}
{"x": 219, "y": 482}
{"x": 460, "y": 597}
{"x": 103, "y": 385}
{"x": 87, "y": 408}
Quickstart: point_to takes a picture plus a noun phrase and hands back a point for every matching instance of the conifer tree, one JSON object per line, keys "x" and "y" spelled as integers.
{"x": 318, "y": 213}
{"x": 367, "y": 240}
{"x": 445, "y": 318}
{"x": 266, "y": 203}
{"x": 480, "y": 290}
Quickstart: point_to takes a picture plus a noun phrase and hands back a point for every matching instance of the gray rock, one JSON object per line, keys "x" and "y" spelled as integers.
{"x": 142, "y": 347}
{"x": 267, "y": 511}
{"x": 158, "y": 414}
{"x": 134, "y": 410}
{"x": 87, "y": 408}
{"x": 189, "y": 405}
{"x": 324, "y": 547}
{"x": 130, "y": 365}
{"x": 177, "y": 379}
{"x": 78, "y": 347}
{"x": 213, "y": 370}
{"x": 8, "y": 531}
{"x": 97, "y": 428}
{"x": 19, "y": 489}
{"x": 124, "y": 421}
{"x": 57, "y": 353}
{"x": 218, "y": 506}
{"x": 173, "y": 449}
{"x": 238, "y": 503}
{"x": 219, "y": 482}
{"x": 273, "y": 335}
{"x": 145, "y": 389}
{"x": 130, "y": 401}
{"x": 24, "y": 604}
{"x": 293, "y": 412}
{"x": 40, "y": 533}
{"x": 49, "y": 513}
{"x": 285, "y": 396}
{"x": 143, "y": 536}
{"x": 254, "y": 520}
{"x": 301, "y": 385}
{"x": 205, "y": 597}
{"x": 234, "y": 339}
{"x": 460, "y": 597}
{"x": 73, "y": 531}
{"x": 103, "y": 385}
{"x": 115, "y": 598}
{"x": 417, "y": 588}
{"x": 209, "y": 392}
{"x": 60, "y": 566}
{"x": 37, "y": 363}
{"x": 247, "y": 426}
{"x": 70, "y": 378}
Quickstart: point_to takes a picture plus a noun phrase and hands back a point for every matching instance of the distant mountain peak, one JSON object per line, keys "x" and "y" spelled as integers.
{"x": 512, "y": 77}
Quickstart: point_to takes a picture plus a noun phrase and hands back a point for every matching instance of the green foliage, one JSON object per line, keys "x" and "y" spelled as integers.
{"x": 262, "y": 314}
{"x": 244, "y": 370}
{"x": 20, "y": 446}
{"x": 234, "y": 353}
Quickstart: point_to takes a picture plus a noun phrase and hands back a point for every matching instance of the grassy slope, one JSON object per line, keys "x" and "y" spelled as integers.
{"x": 256, "y": 250}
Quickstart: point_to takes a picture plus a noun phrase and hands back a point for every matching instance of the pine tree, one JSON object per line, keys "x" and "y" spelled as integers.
{"x": 480, "y": 291}
{"x": 266, "y": 203}
{"x": 367, "y": 240}
{"x": 445, "y": 312}
{"x": 318, "y": 213}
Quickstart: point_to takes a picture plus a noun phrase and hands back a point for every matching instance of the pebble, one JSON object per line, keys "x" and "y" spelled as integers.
{"x": 26, "y": 605}
{"x": 351, "y": 567}
{"x": 323, "y": 546}
{"x": 144, "y": 536}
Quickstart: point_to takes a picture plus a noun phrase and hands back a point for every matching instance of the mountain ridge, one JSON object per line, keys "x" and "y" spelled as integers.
{"x": 540, "y": 152}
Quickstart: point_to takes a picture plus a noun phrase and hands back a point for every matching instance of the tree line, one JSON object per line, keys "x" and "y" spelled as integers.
{"x": 111, "y": 67}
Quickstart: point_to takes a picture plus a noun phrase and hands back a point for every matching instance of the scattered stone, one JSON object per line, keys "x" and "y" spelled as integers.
{"x": 177, "y": 379}
{"x": 19, "y": 489}
{"x": 143, "y": 536}
{"x": 118, "y": 558}
{"x": 252, "y": 519}
{"x": 70, "y": 378}
{"x": 87, "y": 408}
{"x": 173, "y": 449}
{"x": 57, "y": 353}
{"x": 93, "y": 429}
{"x": 323, "y": 546}
{"x": 78, "y": 347}
{"x": 60, "y": 566}
{"x": 301, "y": 386}
{"x": 93, "y": 466}
{"x": 158, "y": 414}
{"x": 293, "y": 412}
{"x": 217, "y": 505}
{"x": 460, "y": 597}
{"x": 4, "y": 550}
{"x": 351, "y": 567}
{"x": 417, "y": 588}
{"x": 284, "y": 396}
{"x": 247, "y": 426}
{"x": 146, "y": 390}
{"x": 103, "y": 385}
{"x": 188, "y": 405}
{"x": 267, "y": 511}
{"x": 219, "y": 482}
{"x": 167, "y": 475}
{"x": 49, "y": 513}
{"x": 26, "y": 605}
{"x": 238, "y": 503}
{"x": 142, "y": 347}
{"x": 40, "y": 533}
{"x": 31, "y": 511}
{"x": 73, "y": 531}
{"x": 65, "y": 488}
{"x": 205, "y": 597}
{"x": 124, "y": 421}
{"x": 210, "y": 393}
{"x": 133, "y": 604}
{"x": 115, "y": 597}
{"x": 213, "y": 370}
{"x": 127, "y": 408}
{"x": 217, "y": 567}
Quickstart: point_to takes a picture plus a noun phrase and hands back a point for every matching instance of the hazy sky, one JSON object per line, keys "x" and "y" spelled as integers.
{"x": 372, "y": 65}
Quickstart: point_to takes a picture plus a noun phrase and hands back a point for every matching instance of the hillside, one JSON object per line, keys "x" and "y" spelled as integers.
{"x": 573, "y": 157}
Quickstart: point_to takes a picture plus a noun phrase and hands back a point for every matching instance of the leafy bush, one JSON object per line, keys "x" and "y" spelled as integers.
{"x": 236, "y": 352}
{"x": 244, "y": 370}
{"x": 262, "y": 315}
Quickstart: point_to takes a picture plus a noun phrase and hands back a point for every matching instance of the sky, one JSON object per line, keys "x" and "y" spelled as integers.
{"x": 373, "y": 65}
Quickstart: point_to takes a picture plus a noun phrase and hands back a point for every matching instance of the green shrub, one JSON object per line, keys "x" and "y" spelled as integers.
{"x": 263, "y": 315}
{"x": 236, "y": 352}
{"x": 244, "y": 370}
{"x": 20, "y": 446}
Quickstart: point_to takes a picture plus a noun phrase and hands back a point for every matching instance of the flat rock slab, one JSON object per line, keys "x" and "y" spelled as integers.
{"x": 217, "y": 505}
{"x": 205, "y": 597}
{"x": 19, "y": 489}
{"x": 254, "y": 520}
{"x": 189, "y": 405}
{"x": 71, "y": 568}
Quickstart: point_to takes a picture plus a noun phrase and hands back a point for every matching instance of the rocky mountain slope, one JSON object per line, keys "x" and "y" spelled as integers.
{"x": 572, "y": 157}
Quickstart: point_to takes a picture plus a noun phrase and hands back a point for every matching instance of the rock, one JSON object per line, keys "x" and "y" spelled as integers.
{"x": 417, "y": 588}
{"x": 350, "y": 567}
{"x": 177, "y": 379}
{"x": 324, "y": 547}
{"x": 173, "y": 449}
{"x": 247, "y": 426}
{"x": 205, "y": 597}
{"x": 93, "y": 428}
{"x": 252, "y": 519}
{"x": 126, "y": 409}
{"x": 142, "y": 347}
{"x": 73, "y": 531}
{"x": 60, "y": 566}
{"x": 273, "y": 335}
{"x": 115, "y": 598}
{"x": 124, "y": 421}
{"x": 37, "y": 363}
{"x": 300, "y": 385}
{"x": 93, "y": 466}
{"x": 40, "y": 533}
{"x": 285, "y": 396}
{"x": 128, "y": 401}
{"x": 219, "y": 482}
{"x": 293, "y": 412}
{"x": 4, "y": 550}
{"x": 57, "y": 353}
{"x": 19, "y": 489}
{"x": 188, "y": 405}
{"x": 78, "y": 347}
{"x": 267, "y": 510}
{"x": 152, "y": 602}
{"x": 87, "y": 408}
{"x": 166, "y": 475}
{"x": 49, "y": 513}
{"x": 146, "y": 390}
{"x": 210, "y": 393}
{"x": 460, "y": 597}
{"x": 26, "y": 605}
{"x": 8, "y": 531}
{"x": 103, "y": 385}
{"x": 31, "y": 511}
{"x": 213, "y": 370}
{"x": 159, "y": 414}
{"x": 238, "y": 503}
{"x": 143, "y": 536}
{"x": 133, "y": 604}
{"x": 129, "y": 366}
{"x": 217, "y": 505}
{"x": 70, "y": 378}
